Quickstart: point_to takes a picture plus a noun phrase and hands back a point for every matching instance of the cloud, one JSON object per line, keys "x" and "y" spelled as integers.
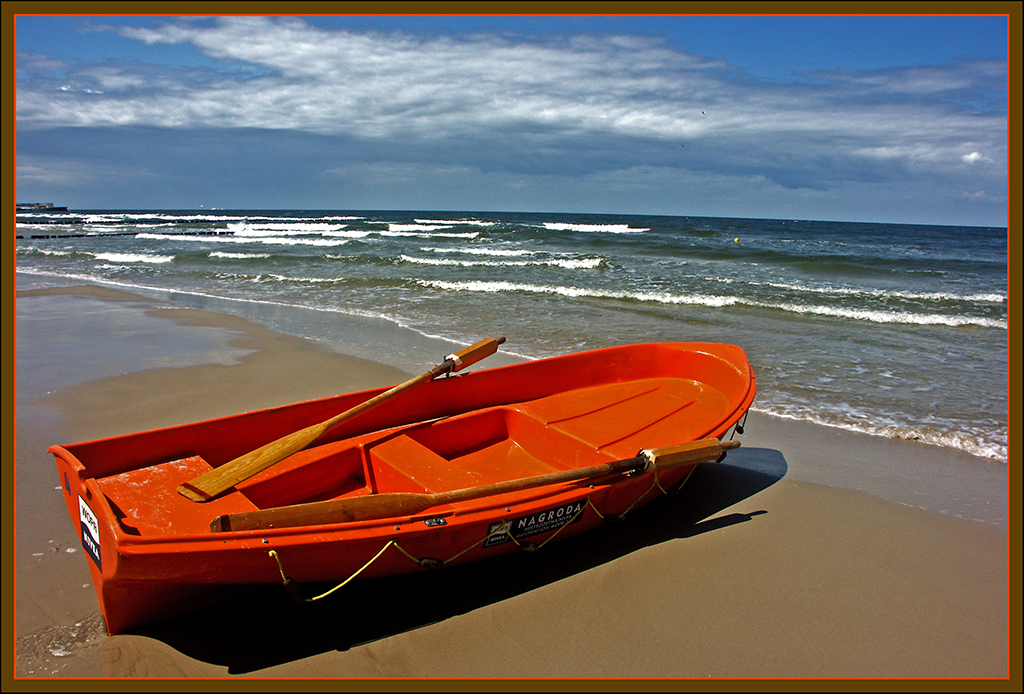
{"x": 975, "y": 157}
{"x": 395, "y": 85}
{"x": 544, "y": 105}
{"x": 979, "y": 196}
{"x": 52, "y": 170}
{"x": 973, "y": 75}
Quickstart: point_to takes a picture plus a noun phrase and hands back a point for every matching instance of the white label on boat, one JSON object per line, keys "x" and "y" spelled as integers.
{"x": 90, "y": 532}
{"x": 536, "y": 523}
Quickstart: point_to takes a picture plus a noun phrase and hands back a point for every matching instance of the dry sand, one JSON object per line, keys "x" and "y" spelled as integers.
{"x": 749, "y": 572}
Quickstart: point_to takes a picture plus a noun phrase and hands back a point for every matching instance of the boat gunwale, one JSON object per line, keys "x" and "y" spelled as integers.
{"x": 459, "y": 510}
{"x": 495, "y": 372}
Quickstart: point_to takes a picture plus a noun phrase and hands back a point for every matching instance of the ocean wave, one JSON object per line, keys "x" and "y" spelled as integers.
{"x": 108, "y": 229}
{"x": 424, "y": 231}
{"x": 285, "y": 228}
{"x": 974, "y": 444}
{"x": 455, "y": 222}
{"x": 716, "y": 301}
{"x": 130, "y": 216}
{"x": 501, "y": 252}
{"x": 237, "y": 256}
{"x": 575, "y": 292}
{"x": 269, "y": 240}
{"x": 272, "y": 278}
{"x": 303, "y": 280}
{"x": 42, "y": 226}
{"x": 133, "y": 258}
{"x": 173, "y": 218}
{"x": 875, "y": 316}
{"x": 594, "y": 228}
{"x": 47, "y": 251}
{"x": 567, "y": 263}
{"x": 981, "y": 297}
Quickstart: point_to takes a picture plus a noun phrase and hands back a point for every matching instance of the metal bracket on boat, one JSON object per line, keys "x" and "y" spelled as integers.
{"x": 454, "y": 362}
{"x": 641, "y": 469}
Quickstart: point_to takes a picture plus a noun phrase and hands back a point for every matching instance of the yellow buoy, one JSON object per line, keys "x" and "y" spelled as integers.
{"x": 737, "y": 239}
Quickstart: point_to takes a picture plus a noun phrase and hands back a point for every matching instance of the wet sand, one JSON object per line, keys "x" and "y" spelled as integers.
{"x": 754, "y": 570}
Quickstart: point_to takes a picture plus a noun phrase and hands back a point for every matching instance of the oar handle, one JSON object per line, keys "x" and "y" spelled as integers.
{"x": 374, "y": 506}
{"x": 220, "y": 479}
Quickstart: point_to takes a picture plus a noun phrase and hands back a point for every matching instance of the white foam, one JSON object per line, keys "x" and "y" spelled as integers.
{"x": 569, "y": 264}
{"x": 414, "y": 230}
{"x": 594, "y": 228}
{"x": 133, "y": 258}
{"x": 269, "y": 240}
{"x": 660, "y": 297}
{"x": 237, "y": 256}
{"x": 875, "y": 316}
{"x": 481, "y": 251}
{"x": 454, "y": 222}
{"x": 983, "y": 297}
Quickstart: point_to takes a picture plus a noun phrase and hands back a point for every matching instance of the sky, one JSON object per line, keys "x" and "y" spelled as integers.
{"x": 849, "y": 118}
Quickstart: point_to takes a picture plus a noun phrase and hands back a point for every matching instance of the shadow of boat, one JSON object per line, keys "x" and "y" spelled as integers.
{"x": 265, "y": 627}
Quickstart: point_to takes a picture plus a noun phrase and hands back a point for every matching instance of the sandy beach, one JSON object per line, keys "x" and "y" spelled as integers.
{"x": 802, "y": 555}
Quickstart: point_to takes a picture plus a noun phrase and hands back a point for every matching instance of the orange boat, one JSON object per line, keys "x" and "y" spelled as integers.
{"x": 435, "y": 471}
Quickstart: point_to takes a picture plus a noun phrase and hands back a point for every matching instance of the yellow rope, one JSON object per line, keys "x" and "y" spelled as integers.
{"x": 570, "y": 522}
{"x": 343, "y": 583}
{"x": 502, "y": 529}
{"x": 402, "y": 550}
{"x": 637, "y": 500}
{"x": 680, "y": 485}
{"x": 280, "y": 568}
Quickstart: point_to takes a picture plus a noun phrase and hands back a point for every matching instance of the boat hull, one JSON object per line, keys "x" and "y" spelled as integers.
{"x": 153, "y": 555}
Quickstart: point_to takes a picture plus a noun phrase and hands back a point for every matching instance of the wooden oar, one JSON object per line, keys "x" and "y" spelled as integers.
{"x": 405, "y": 504}
{"x": 220, "y": 479}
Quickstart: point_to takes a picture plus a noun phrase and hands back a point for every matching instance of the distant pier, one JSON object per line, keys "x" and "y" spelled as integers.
{"x": 38, "y": 207}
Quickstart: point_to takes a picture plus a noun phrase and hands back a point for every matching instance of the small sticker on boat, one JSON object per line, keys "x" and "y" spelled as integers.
{"x": 535, "y": 523}
{"x": 90, "y": 532}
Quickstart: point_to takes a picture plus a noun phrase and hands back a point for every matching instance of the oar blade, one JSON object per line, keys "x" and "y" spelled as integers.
{"x": 223, "y": 478}
{"x": 220, "y": 479}
{"x": 474, "y": 353}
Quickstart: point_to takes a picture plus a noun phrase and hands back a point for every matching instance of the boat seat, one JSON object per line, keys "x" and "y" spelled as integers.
{"x": 403, "y": 464}
{"x": 146, "y": 501}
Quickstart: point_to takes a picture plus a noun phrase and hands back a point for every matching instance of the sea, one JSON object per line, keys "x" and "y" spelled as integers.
{"x": 893, "y": 330}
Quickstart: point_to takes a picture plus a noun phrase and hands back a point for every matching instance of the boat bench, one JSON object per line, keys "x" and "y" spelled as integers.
{"x": 463, "y": 452}
{"x": 402, "y": 464}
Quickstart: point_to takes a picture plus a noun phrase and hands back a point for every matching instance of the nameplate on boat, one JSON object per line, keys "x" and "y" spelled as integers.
{"x": 90, "y": 532}
{"x": 535, "y": 523}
